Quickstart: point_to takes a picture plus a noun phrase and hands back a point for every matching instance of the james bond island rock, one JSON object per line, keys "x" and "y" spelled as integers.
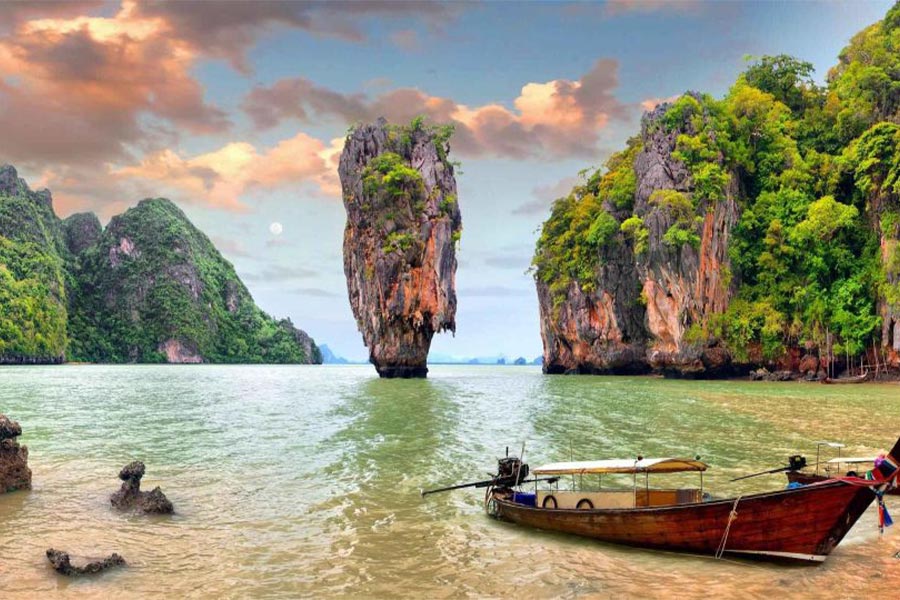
{"x": 72, "y": 566}
{"x": 130, "y": 496}
{"x": 760, "y": 230}
{"x": 403, "y": 224}
{"x": 149, "y": 288}
{"x": 14, "y": 471}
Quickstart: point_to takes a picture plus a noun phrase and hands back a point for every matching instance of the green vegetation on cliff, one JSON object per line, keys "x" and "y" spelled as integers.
{"x": 153, "y": 277}
{"x": 815, "y": 173}
{"x": 32, "y": 276}
{"x": 149, "y": 288}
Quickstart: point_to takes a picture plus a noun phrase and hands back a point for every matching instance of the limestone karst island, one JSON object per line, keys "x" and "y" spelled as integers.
{"x": 250, "y": 349}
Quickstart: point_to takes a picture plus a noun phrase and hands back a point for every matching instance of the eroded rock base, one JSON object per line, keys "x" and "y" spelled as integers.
{"x": 130, "y": 496}
{"x": 14, "y": 471}
{"x": 401, "y": 372}
{"x": 65, "y": 564}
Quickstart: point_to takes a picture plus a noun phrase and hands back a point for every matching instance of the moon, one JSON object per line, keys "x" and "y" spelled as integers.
{"x": 276, "y": 228}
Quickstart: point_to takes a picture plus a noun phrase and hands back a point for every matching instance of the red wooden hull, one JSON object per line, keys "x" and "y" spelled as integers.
{"x": 806, "y": 479}
{"x": 803, "y": 524}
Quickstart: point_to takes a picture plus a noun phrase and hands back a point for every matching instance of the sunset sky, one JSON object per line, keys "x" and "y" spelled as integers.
{"x": 237, "y": 111}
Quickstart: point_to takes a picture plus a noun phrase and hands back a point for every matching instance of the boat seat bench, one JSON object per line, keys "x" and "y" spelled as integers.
{"x": 616, "y": 498}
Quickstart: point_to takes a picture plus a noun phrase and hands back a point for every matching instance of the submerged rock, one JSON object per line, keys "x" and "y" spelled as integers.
{"x": 130, "y": 495}
{"x": 403, "y": 222}
{"x": 14, "y": 471}
{"x": 62, "y": 563}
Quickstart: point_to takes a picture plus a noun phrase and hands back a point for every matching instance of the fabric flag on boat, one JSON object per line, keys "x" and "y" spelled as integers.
{"x": 886, "y": 466}
{"x": 884, "y": 517}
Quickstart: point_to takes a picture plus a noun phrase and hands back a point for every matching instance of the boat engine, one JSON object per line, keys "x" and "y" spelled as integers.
{"x": 796, "y": 462}
{"x": 511, "y": 471}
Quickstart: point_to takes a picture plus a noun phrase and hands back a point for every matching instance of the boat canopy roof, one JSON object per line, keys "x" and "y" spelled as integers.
{"x": 829, "y": 444}
{"x": 852, "y": 460}
{"x": 599, "y": 467}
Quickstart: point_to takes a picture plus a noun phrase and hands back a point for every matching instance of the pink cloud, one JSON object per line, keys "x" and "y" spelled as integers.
{"x": 651, "y": 103}
{"x": 560, "y": 117}
{"x": 219, "y": 178}
{"x": 228, "y": 29}
{"x": 88, "y": 81}
{"x": 618, "y": 7}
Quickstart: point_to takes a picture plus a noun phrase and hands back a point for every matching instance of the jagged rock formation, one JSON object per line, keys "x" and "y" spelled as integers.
{"x": 403, "y": 222}
{"x": 81, "y": 231}
{"x": 634, "y": 318}
{"x": 149, "y": 288}
{"x": 33, "y": 296}
{"x": 153, "y": 288}
{"x": 759, "y": 230}
{"x": 62, "y": 563}
{"x": 130, "y": 496}
{"x": 14, "y": 471}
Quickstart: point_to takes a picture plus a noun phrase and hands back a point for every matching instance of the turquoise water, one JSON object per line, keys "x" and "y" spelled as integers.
{"x": 304, "y": 481}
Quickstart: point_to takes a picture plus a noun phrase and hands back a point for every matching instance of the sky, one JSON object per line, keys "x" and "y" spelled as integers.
{"x": 237, "y": 111}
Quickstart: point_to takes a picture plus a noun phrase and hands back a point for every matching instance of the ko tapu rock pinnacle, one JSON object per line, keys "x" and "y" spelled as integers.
{"x": 403, "y": 225}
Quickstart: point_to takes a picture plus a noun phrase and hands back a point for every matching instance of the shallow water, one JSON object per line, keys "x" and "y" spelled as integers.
{"x": 304, "y": 481}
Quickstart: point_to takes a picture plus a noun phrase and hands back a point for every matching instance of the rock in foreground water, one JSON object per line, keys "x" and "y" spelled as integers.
{"x": 403, "y": 222}
{"x": 62, "y": 563}
{"x": 130, "y": 495}
{"x": 14, "y": 471}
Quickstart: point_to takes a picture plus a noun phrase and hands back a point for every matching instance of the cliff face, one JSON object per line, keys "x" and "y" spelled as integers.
{"x": 149, "y": 288}
{"x": 682, "y": 284}
{"x": 643, "y": 300}
{"x": 403, "y": 222}
{"x": 153, "y": 288}
{"x": 761, "y": 229}
{"x": 32, "y": 275}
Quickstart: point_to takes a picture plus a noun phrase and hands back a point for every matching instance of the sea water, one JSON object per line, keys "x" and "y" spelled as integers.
{"x": 303, "y": 481}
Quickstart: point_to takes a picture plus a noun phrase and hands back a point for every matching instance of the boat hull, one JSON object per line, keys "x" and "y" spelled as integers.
{"x": 807, "y": 479}
{"x": 798, "y": 525}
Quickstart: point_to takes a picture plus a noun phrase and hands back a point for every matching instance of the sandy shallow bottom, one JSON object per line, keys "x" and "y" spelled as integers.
{"x": 303, "y": 481}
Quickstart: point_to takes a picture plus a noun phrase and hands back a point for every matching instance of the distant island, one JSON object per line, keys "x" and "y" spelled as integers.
{"x": 757, "y": 230}
{"x": 149, "y": 288}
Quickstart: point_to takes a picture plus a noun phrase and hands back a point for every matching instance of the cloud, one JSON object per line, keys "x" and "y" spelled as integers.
{"x": 219, "y": 178}
{"x": 560, "y": 117}
{"x": 230, "y": 247}
{"x": 228, "y": 29}
{"x": 407, "y": 39}
{"x": 651, "y": 103}
{"x": 613, "y": 8}
{"x": 12, "y": 12}
{"x": 279, "y": 242}
{"x": 314, "y": 291}
{"x": 280, "y": 274}
{"x": 88, "y": 82}
{"x": 514, "y": 257}
{"x": 544, "y": 195}
{"x": 496, "y": 291}
{"x": 508, "y": 261}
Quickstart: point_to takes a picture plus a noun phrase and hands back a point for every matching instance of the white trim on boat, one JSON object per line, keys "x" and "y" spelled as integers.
{"x": 794, "y": 555}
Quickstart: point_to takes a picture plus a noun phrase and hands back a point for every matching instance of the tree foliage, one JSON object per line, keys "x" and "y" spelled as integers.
{"x": 816, "y": 174}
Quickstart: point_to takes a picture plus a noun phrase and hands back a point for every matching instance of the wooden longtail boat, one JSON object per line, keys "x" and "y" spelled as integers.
{"x": 803, "y": 524}
{"x": 855, "y": 379}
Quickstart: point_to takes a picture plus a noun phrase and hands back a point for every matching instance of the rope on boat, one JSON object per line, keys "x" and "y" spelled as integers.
{"x": 731, "y": 517}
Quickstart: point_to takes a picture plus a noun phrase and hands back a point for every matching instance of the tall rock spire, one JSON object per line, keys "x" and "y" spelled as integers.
{"x": 403, "y": 223}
